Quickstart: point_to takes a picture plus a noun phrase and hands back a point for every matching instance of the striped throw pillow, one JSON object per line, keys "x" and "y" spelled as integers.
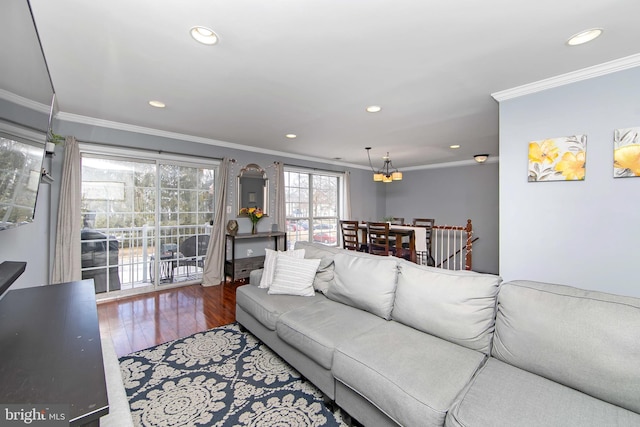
{"x": 270, "y": 264}
{"x": 294, "y": 276}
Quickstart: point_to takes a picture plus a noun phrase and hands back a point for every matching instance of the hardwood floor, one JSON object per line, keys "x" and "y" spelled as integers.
{"x": 146, "y": 320}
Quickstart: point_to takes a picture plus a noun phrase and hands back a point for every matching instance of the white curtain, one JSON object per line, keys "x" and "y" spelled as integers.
{"x": 213, "y": 272}
{"x": 347, "y": 195}
{"x": 280, "y": 211}
{"x": 67, "y": 257}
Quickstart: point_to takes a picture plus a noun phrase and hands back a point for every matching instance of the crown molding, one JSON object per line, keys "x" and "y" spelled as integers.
{"x": 471, "y": 162}
{"x": 69, "y": 117}
{"x": 24, "y": 102}
{"x": 76, "y": 118}
{"x": 568, "y": 78}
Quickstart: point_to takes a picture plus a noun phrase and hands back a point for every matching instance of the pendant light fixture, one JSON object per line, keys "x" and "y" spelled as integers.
{"x": 387, "y": 173}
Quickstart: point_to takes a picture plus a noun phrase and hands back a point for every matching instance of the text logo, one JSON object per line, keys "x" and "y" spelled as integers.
{"x": 34, "y": 415}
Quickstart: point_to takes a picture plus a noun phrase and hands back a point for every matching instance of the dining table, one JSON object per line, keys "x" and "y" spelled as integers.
{"x": 417, "y": 237}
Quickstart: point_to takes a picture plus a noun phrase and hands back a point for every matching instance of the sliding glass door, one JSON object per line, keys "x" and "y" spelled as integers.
{"x": 186, "y": 215}
{"x": 145, "y": 221}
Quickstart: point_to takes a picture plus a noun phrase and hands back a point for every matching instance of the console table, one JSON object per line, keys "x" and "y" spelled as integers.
{"x": 241, "y": 268}
{"x": 50, "y": 351}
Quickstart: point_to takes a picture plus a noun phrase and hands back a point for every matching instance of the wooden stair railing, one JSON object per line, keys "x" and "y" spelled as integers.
{"x": 449, "y": 241}
{"x": 454, "y": 254}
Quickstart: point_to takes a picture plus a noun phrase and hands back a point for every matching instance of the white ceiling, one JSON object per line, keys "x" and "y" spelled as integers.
{"x": 311, "y": 67}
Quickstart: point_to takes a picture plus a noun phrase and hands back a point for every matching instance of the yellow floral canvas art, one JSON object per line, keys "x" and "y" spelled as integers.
{"x": 626, "y": 153}
{"x": 558, "y": 159}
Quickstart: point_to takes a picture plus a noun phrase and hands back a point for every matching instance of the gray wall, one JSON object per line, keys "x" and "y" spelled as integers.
{"x": 451, "y": 196}
{"x": 34, "y": 243}
{"x": 30, "y": 243}
{"x": 581, "y": 233}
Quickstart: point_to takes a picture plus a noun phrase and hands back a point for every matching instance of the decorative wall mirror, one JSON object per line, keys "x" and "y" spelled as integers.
{"x": 253, "y": 189}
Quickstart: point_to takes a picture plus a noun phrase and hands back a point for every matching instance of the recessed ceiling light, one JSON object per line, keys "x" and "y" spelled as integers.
{"x": 454, "y": 146}
{"x": 204, "y": 35}
{"x": 291, "y": 135}
{"x": 157, "y": 104}
{"x": 373, "y": 108}
{"x": 584, "y": 36}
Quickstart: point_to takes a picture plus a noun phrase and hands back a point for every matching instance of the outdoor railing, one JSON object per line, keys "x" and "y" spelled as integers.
{"x": 138, "y": 250}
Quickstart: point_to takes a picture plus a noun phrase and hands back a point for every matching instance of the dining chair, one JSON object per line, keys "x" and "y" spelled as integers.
{"x": 378, "y": 238}
{"x": 350, "y": 233}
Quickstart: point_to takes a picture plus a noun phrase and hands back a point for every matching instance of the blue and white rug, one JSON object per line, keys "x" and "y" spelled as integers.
{"x": 221, "y": 377}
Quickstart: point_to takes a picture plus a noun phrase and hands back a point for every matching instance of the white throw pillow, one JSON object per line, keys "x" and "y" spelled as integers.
{"x": 294, "y": 276}
{"x": 270, "y": 264}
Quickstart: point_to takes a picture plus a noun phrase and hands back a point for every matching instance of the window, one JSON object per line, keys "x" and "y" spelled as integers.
{"x": 145, "y": 220}
{"x": 313, "y": 206}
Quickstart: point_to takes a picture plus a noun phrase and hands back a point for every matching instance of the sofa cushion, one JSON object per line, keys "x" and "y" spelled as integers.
{"x": 503, "y": 395}
{"x": 325, "y": 270}
{"x": 368, "y": 283}
{"x": 583, "y": 339}
{"x": 411, "y": 376}
{"x": 458, "y": 306}
{"x": 270, "y": 258}
{"x": 324, "y": 275}
{"x": 315, "y": 330}
{"x": 267, "y": 309}
{"x": 294, "y": 276}
{"x": 255, "y": 276}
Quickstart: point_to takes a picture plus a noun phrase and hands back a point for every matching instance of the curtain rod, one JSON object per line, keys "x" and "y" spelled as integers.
{"x": 312, "y": 168}
{"x": 106, "y": 144}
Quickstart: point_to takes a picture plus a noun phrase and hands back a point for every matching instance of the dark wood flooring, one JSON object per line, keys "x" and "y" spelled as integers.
{"x": 143, "y": 321}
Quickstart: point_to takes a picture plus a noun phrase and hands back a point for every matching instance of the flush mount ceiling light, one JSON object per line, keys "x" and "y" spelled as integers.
{"x": 584, "y": 36}
{"x": 373, "y": 109}
{"x": 157, "y": 104}
{"x": 387, "y": 172}
{"x": 204, "y": 35}
{"x": 481, "y": 158}
{"x": 291, "y": 135}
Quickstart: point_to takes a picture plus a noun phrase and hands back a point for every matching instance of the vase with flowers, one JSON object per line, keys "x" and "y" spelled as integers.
{"x": 255, "y": 215}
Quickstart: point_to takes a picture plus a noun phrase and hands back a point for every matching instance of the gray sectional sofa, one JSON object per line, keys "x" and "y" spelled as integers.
{"x": 394, "y": 343}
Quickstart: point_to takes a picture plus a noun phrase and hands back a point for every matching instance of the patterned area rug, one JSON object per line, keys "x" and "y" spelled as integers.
{"x": 221, "y": 377}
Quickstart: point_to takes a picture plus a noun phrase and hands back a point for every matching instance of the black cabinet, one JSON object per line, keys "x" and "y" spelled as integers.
{"x": 51, "y": 351}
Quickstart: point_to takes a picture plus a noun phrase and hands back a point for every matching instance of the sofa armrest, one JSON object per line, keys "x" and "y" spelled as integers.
{"x": 255, "y": 276}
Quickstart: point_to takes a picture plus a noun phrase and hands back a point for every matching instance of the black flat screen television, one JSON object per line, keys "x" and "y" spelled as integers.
{"x": 26, "y": 111}
{"x": 20, "y": 171}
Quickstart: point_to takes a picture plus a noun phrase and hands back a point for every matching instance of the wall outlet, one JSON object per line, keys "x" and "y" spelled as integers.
{"x": 228, "y": 209}
{"x": 249, "y": 252}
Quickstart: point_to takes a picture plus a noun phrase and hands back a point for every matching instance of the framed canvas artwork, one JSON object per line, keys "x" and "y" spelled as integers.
{"x": 626, "y": 152}
{"x": 558, "y": 159}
